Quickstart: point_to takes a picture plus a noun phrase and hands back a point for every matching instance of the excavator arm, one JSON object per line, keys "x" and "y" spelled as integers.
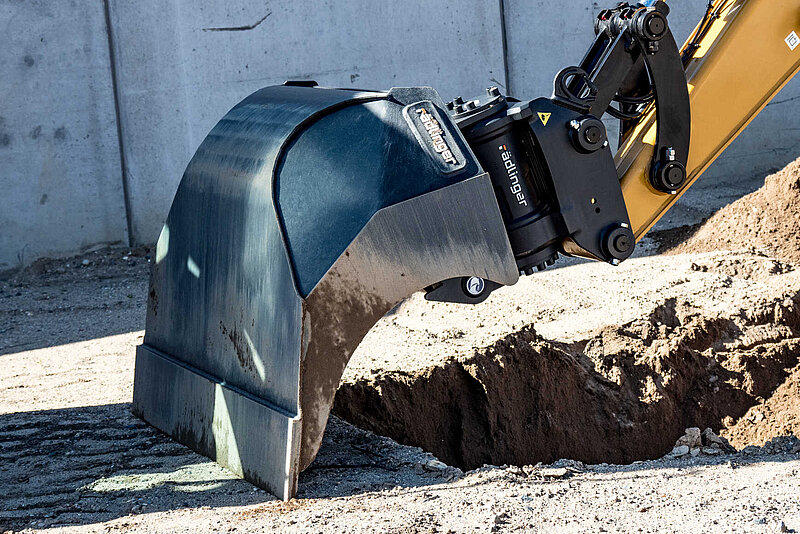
{"x": 308, "y": 213}
{"x": 737, "y": 59}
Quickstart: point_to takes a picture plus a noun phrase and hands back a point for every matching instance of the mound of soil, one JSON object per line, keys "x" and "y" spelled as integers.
{"x": 624, "y": 394}
{"x": 768, "y": 219}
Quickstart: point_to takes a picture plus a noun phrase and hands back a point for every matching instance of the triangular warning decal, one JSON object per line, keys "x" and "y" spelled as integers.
{"x": 544, "y": 117}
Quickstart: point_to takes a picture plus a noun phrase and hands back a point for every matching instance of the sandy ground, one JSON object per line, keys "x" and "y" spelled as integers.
{"x": 73, "y": 458}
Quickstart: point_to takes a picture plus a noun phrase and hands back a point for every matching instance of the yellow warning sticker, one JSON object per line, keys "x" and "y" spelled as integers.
{"x": 544, "y": 117}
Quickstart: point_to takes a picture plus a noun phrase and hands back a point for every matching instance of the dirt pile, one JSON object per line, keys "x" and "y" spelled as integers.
{"x": 768, "y": 219}
{"x": 624, "y": 394}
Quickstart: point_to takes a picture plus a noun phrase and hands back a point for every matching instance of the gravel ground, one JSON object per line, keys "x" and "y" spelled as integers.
{"x": 73, "y": 459}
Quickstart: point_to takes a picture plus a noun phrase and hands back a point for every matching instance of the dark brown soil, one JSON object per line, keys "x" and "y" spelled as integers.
{"x": 768, "y": 219}
{"x": 777, "y": 415}
{"x": 625, "y": 394}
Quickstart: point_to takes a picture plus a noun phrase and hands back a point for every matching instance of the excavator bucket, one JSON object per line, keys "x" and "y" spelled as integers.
{"x": 304, "y": 216}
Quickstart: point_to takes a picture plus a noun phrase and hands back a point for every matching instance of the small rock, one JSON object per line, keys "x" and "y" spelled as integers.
{"x": 499, "y": 519}
{"x": 516, "y": 470}
{"x": 760, "y": 521}
{"x": 711, "y": 451}
{"x": 712, "y": 440}
{"x": 435, "y": 465}
{"x": 784, "y": 528}
{"x": 679, "y": 450}
{"x": 573, "y": 465}
{"x": 85, "y": 262}
{"x": 529, "y": 470}
{"x": 695, "y": 452}
{"x": 555, "y": 472}
{"x": 691, "y": 438}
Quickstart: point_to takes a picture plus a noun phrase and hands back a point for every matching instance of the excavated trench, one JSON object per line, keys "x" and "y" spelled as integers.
{"x": 622, "y": 395}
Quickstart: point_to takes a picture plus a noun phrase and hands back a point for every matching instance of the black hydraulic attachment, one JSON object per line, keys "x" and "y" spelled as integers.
{"x": 550, "y": 160}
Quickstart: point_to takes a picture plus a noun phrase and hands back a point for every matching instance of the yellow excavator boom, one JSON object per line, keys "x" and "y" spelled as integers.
{"x": 747, "y": 52}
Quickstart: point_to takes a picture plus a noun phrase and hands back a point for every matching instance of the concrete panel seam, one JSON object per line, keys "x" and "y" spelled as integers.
{"x": 503, "y": 36}
{"x": 112, "y": 59}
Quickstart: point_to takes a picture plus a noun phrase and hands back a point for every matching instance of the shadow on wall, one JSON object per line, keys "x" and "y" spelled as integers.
{"x": 80, "y": 466}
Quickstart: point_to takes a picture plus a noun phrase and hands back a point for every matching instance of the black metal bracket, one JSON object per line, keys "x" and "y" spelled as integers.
{"x": 462, "y": 290}
{"x": 636, "y": 62}
{"x": 673, "y": 115}
{"x": 591, "y": 208}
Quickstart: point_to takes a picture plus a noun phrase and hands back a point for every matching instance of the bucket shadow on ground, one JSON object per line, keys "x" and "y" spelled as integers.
{"x": 80, "y": 466}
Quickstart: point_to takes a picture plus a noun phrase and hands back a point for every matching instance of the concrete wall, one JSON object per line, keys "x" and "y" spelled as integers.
{"x": 181, "y": 68}
{"x": 60, "y": 179}
{"x": 179, "y": 65}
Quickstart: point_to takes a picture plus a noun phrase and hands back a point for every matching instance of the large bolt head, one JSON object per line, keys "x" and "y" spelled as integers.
{"x": 656, "y": 25}
{"x": 618, "y": 242}
{"x": 593, "y": 134}
{"x": 651, "y": 25}
{"x": 674, "y": 176}
{"x": 668, "y": 177}
{"x": 622, "y": 243}
{"x": 588, "y": 134}
{"x": 474, "y": 286}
